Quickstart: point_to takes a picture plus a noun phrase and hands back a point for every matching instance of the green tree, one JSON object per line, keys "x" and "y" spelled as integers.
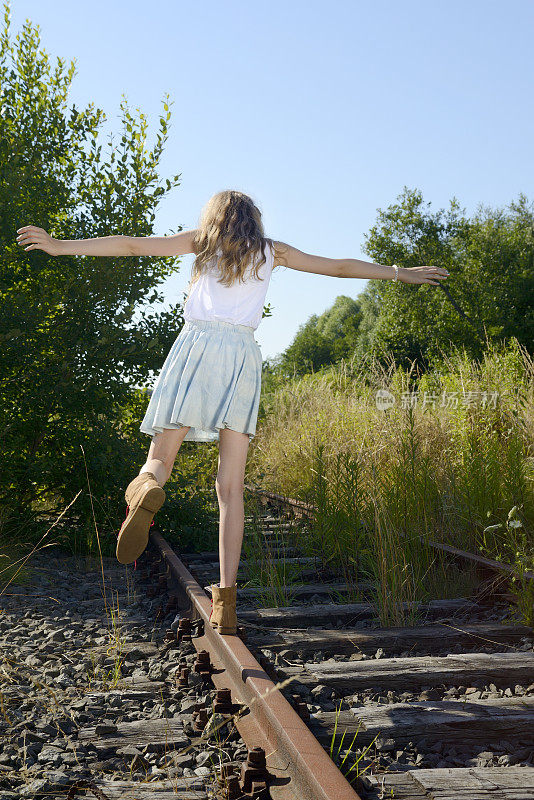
{"x": 322, "y": 340}
{"x": 340, "y": 324}
{"x": 77, "y": 334}
{"x": 489, "y": 295}
{"x": 308, "y": 351}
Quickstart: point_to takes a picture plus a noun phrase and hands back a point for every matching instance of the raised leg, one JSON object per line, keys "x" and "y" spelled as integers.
{"x": 162, "y": 453}
{"x": 233, "y": 450}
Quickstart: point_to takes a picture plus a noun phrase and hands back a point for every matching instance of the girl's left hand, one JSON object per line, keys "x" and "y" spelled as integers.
{"x": 423, "y": 275}
{"x": 32, "y": 238}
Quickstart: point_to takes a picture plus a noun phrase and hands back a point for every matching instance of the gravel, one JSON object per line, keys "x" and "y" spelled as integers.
{"x": 64, "y": 654}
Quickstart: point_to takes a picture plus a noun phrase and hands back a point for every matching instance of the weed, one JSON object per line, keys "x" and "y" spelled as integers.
{"x": 356, "y": 755}
{"x": 443, "y": 463}
{"x": 267, "y": 567}
{"x": 514, "y": 546}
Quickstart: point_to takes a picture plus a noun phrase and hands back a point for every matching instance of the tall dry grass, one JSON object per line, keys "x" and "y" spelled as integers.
{"x": 446, "y": 461}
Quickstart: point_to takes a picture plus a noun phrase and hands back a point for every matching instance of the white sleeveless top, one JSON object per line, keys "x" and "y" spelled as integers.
{"x": 240, "y": 304}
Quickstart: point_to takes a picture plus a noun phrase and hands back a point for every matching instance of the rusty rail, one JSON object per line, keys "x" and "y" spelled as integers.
{"x": 302, "y": 768}
{"x": 308, "y": 508}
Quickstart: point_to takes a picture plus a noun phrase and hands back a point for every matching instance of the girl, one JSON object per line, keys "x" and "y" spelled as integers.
{"x": 209, "y": 385}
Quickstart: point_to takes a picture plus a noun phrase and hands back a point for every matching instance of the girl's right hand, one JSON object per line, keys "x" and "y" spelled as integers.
{"x": 33, "y": 238}
{"x": 423, "y": 275}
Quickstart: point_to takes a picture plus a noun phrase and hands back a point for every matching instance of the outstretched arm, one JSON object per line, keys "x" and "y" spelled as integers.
{"x": 33, "y": 238}
{"x": 291, "y": 257}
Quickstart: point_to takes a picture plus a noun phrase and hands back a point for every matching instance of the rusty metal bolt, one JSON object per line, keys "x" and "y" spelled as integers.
{"x": 183, "y": 677}
{"x": 254, "y": 770}
{"x": 226, "y": 771}
{"x": 300, "y": 707}
{"x": 256, "y": 757}
{"x": 223, "y": 701}
{"x": 203, "y": 664}
{"x": 232, "y": 790}
{"x": 184, "y": 630}
{"x": 200, "y": 717}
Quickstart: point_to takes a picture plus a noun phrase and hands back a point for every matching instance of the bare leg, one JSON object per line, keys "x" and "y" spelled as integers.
{"x": 162, "y": 453}
{"x": 233, "y": 450}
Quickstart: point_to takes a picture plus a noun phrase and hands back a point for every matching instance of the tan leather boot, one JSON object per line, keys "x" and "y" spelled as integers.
{"x": 134, "y": 485}
{"x": 144, "y": 496}
{"x": 223, "y": 615}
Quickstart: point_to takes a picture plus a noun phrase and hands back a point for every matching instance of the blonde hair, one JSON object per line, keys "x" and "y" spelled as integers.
{"x": 230, "y": 222}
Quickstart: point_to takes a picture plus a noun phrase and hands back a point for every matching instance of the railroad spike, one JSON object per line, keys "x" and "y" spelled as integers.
{"x": 231, "y": 788}
{"x": 183, "y": 678}
{"x": 183, "y": 634}
{"x": 200, "y": 717}
{"x": 254, "y": 770}
{"x": 203, "y": 663}
{"x": 223, "y": 702}
{"x": 170, "y": 635}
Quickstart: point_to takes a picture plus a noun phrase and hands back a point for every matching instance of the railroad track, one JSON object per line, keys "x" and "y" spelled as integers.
{"x": 111, "y": 686}
{"x": 444, "y": 709}
{"x": 441, "y": 710}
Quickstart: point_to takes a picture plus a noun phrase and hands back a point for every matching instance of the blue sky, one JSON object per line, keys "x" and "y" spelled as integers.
{"x": 322, "y": 112}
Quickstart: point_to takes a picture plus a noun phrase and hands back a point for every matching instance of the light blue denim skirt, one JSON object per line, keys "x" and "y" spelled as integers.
{"x": 211, "y": 379}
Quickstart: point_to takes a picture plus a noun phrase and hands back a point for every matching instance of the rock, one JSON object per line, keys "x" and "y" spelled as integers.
{"x": 54, "y": 647}
{"x": 50, "y": 755}
{"x": 55, "y": 636}
{"x": 39, "y": 786}
{"x": 129, "y": 751}
{"x": 385, "y": 745}
{"x": 183, "y": 760}
{"x": 215, "y": 726}
{"x": 188, "y": 705}
{"x": 430, "y": 694}
{"x": 322, "y": 693}
{"x": 288, "y": 654}
{"x": 33, "y": 661}
{"x": 136, "y": 654}
{"x": 105, "y": 728}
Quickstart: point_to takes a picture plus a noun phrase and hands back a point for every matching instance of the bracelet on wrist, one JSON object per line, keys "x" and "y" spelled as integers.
{"x": 396, "y": 276}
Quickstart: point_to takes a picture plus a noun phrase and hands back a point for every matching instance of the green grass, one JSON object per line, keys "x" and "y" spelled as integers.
{"x": 266, "y": 569}
{"x": 385, "y": 482}
{"x": 346, "y": 758}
